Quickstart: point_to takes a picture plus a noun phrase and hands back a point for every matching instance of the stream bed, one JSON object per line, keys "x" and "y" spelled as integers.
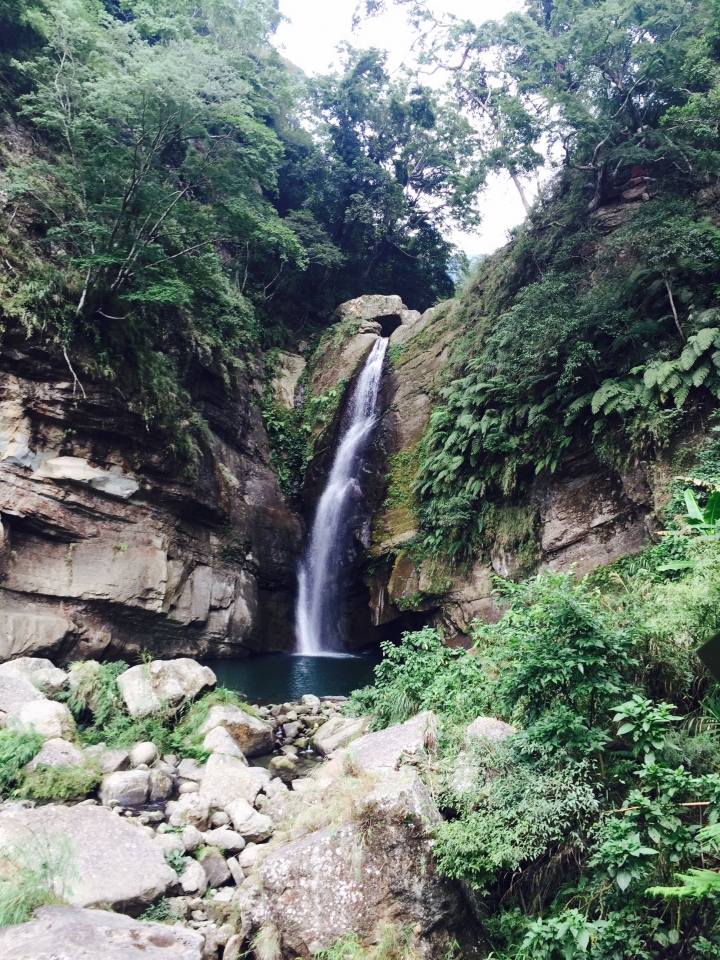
{"x": 281, "y": 677}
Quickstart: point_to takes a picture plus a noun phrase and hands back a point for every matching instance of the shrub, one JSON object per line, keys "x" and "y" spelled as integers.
{"x": 17, "y": 748}
{"x": 35, "y": 875}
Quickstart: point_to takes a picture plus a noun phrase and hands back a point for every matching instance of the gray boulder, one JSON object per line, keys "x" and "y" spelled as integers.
{"x": 42, "y": 674}
{"x": 488, "y": 728}
{"x": 15, "y": 691}
{"x": 191, "y": 809}
{"x": 194, "y": 879}
{"x": 70, "y": 933}
{"x": 145, "y": 752}
{"x": 126, "y": 788}
{"x": 50, "y": 719}
{"x": 220, "y": 741}
{"x": 216, "y": 868}
{"x": 189, "y": 770}
{"x": 161, "y": 785}
{"x": 109, "y": 761}
{"x": 253, "y": 736}
{"x": 338, "y": 732}
{"x": 252, "y": 826}
{"x": 283, "y": 768}
{"x": 227, "y": 778}
{"x": 57, "y": 753}
{"x": 386, "y": 749}
{"x": 162, "y": 686}
{"x": 224, "y": 839}
{"x": 110, "y": 862}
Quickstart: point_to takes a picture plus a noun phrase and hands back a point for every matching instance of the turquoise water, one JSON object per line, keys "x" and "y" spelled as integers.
{"x": 278, "y": 677}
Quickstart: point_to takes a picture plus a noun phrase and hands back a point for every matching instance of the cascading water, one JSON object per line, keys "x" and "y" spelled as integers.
{"x": 318, "y": 606}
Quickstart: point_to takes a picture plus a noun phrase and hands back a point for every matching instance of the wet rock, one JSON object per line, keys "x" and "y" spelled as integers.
{"x": 163, "y": 685}
{"x": 50, "y": 719}
{"x": 251, "y": 825}
{"x": 126, "y": 788}
{"x": 253, "y": 736}
{"x": 338, "y": 732}
{"x": 110, "y": 862}
{"x": 284, "y": 768}
{"x": 56, "y": 933}
{"x": 42, "y": 674}
{"x": 57, "y": 753}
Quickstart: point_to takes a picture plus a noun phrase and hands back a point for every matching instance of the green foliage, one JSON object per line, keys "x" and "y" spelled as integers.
{"x": 34, "y": 875}
{"x": 17, "y": 748}
{"x": 160, "y": 912}
{"x": 646, "y": 723}
{"x": 60, "y": 783}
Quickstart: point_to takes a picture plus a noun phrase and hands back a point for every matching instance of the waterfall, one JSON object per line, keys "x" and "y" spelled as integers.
{"x": 318, "y": 606}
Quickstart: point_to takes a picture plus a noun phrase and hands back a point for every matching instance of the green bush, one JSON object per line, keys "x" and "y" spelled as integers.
{"x": 60, "y": 783}
{"x": 17, "y": 748}
{"x": 35, "y": 874}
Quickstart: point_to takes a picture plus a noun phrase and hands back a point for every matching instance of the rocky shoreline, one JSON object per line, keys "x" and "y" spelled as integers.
{"x": 283, "y": 829}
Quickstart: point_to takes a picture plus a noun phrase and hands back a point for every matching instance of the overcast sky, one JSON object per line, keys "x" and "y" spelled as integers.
{"x": 310, "y": 38}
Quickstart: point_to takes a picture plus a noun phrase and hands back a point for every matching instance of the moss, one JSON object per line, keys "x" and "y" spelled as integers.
{"x": 60, "y": 783}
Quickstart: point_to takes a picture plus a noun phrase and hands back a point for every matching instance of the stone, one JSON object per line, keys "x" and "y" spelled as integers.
{"x": 238, "y": 874}
{"x": 29, "y": 629}
{"x": 250, "y": 857}
{"x": 234, "y": 947}
{"x": 189, "y": 770}
{"x": 227, "y": 778}
{"x": 220, "y": 819}
{"x": 71, "y": 933}
{"x": 161, "y": 786}
{"x": 51, "y": 719}
{"x": 251, "y": 825}
{"x": 253, "y": 736}
{"x": 169, "y": 842}
{"x": 288, "y": 370}
{"x": 224, "y": 839}
{"x": 57, "y": 753}
{"x": 215, "y": 867}
{"x": 343, "y": 879}
{"x": 127, "y": 788}
{"x": 488, "y": 728}
{"x": 310, "y": 700}
{"x": 15, "y": 692}
{"x": 111, "y": 862}
{"x": 42, "y": 674}
{"x": 190, "y": 809}
{"x": 283, "y": 767}
{"x": 163, "y": 686}
{"x": 337, "y": 732}
{"x": 193, "y": 878}
{"x": 192, "y": 838}
{"x": 385, "y": 749}
{"x": 78, "y": 470}
{"x": 143, "y": 753}
{"x": 188, "y": 786}
{"x": 291, "y": 730}
{"x": 220, "y": 741}
{"x": 110, "y": 761}
{"x": 371, "y": 306}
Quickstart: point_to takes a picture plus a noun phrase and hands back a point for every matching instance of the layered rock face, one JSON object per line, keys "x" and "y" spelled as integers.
{"x": 105, "y": 547}
{"x": 580, "y": 517}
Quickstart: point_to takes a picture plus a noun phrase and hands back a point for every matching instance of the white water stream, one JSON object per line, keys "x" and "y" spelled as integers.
{"x": 319, "y": 575}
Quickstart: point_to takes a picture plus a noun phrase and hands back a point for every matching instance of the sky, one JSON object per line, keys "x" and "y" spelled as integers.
{"x": 310, "y": 36}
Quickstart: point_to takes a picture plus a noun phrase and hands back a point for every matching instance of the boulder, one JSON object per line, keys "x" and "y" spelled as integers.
{"x": 191, "y": 809}
{"x": 215, "y": 867}
{"x": 162, "y": 686}
{"x": 385, "y": 749}
{"x": 51, "y": 719}
{"x": 220, "y": 741}
{"x": 283, "y": 768}
{"x": 42, "y": 674}
{"x": 227, "y": 778}
{"x": 110, "y": 862}
{"x": 109, "y": 761}
{"x": 194, "y": 879}
{"x": 57, "y": 753}
{"x": 238, "y": 874}
{"x": 146, "y": 753}
{"x": 71, "y": 933}
{"x": 488, "y": 728}
{"x": 345, "y": 879}
{"x": 252, "y": 826}
{"x": 192, "y": 838}
{"x": 189, "y": 770}
{"x": 161, "y": 786}
{"x": 224, "y": 839}
{"x": 253, "y": 736}
{"x": 15, "y": 691}
{"x": 126, "y": 788}
{"x": 338, "y": 732}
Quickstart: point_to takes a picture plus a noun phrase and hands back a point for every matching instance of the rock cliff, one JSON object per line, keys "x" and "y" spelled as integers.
{"x": 107, "y": 547}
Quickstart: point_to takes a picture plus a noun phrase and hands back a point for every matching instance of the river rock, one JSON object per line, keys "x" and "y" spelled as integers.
{"x": 162, "y": 686}
{"x": 385, "y": 749}
{"x": 109, "y": 761}
{"x": 343, "y": 880}
{"x": 51, "y": 719}
{"x": 189, "y": 770}
{"x": 194, "y": 879}
{"x": 337, "y": 732}
{"x": 192, "y": 837}
{"x": 126, "y": 788}
{"x": 143, "y": 753}
{"x": 216, "y": 869}
{"x": 220, "y": 741}
{"x": 191, "y": 809}
{"x": 110, "y": 862}
{"x": 228, "y": 778}
{"x": 42, "y": 674}
{"x": 57, "y": 753}
{"x": 253, "y": 736}
{"x": 161, "y": 786}
{"x": 15, "y": 691}
{"x": 71, "y": 933}
{"x": 252, "y": 826}
{"x": 284, "y": 768}
{"x": 224, "y": 839}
